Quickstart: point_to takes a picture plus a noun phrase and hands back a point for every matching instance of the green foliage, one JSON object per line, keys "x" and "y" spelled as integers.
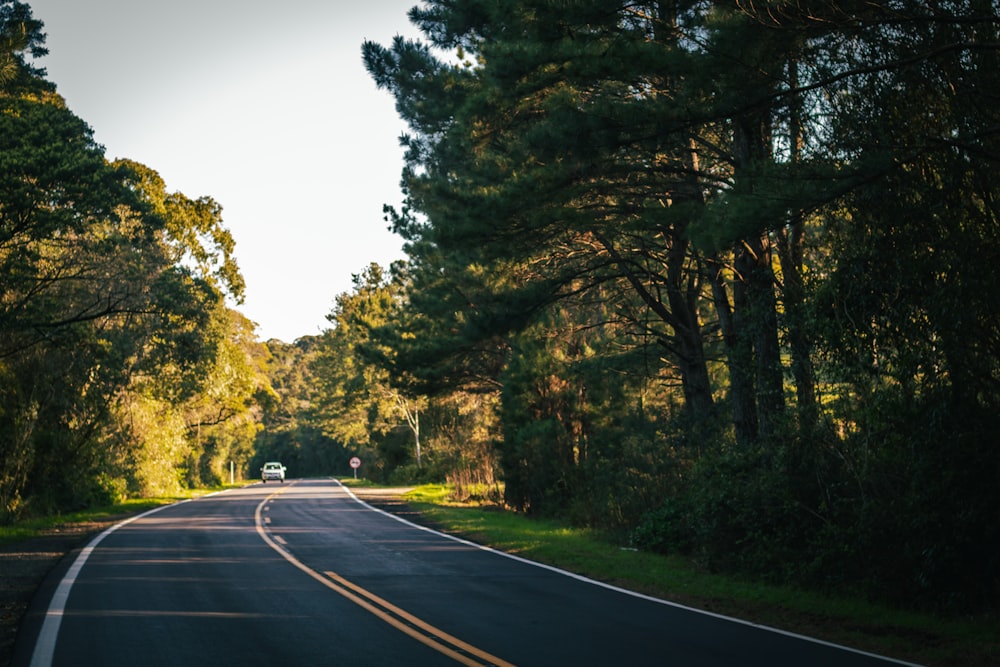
{"x": 20, "y": 34}
{"x": 924, "y": 508}
{"x": 575, "y": 443}
{"x": 352, "y": 398}
{"x": 196, "y": 236}
{"x": 635, "y": 466}
{"x": 622, "y": 221}
{"x": 666, "y": 530}
{"x": 288, "y": 432}
{"x": 123, "y": 371}
{"x": 884, "y": 512}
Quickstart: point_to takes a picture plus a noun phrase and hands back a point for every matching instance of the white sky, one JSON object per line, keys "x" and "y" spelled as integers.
{"x": 266, "y": 107}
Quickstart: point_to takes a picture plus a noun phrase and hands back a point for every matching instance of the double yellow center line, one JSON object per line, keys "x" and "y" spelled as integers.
{"x": 400, "y": 619}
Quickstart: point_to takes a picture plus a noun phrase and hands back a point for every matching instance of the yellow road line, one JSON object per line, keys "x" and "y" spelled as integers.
{"x": 365, "y": 599}
{"x": 454, "y": 641}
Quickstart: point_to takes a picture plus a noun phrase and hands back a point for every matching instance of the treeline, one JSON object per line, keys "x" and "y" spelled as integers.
{"x": 717, "y": 277}
{"x": 123, "y": 369}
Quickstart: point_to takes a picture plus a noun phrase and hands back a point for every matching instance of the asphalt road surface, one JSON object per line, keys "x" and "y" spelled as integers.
{"x": 303, "y": 573}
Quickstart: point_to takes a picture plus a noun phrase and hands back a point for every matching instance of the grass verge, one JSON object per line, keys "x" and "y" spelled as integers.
{"x": 914, "y": 637}
{"x": 36, "y": 527}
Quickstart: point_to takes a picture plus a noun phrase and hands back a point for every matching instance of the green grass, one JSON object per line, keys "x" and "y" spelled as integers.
{"x": 38, "y": 526}
{"x": 921, "y": 638}
{"x": 359, "y": 482}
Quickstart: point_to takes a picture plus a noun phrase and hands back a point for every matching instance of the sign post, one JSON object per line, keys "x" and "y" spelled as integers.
{"x": 355, "y": 463}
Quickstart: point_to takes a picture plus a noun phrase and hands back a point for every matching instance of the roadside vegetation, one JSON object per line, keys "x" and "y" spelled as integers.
{"x": 41, "y": 525}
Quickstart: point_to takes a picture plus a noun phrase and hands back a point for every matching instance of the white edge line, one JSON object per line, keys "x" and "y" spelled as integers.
{"x": 650, "y": 598}
{"x": 45, "y": 644}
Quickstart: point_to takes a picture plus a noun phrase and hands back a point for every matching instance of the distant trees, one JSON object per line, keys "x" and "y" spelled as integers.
{"x": 732, "y": 256}
{"x": 288, "y": 421}
{"x": 352, "y": 401}
{"x": 365, "y": 401}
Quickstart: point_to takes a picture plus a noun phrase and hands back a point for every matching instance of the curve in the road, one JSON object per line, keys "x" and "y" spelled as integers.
{"x": 625, "y": 591}
{"x": 400, "y": 619}
{"x": 445, "y": 644}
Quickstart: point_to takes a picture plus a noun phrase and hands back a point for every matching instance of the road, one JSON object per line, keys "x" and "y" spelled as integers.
{"x": 302, "y": 573}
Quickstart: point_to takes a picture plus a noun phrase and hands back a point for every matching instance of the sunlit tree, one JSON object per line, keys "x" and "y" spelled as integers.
{"x": 109, "y": 289}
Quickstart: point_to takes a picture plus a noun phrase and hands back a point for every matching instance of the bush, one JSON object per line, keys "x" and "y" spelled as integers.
{"x": 902, "y": 510}
{"x": 666, "y": 529}
{"x": 925, "y": 515}
{"x": 109, "y": 490}
{"x": 409, "y": 474}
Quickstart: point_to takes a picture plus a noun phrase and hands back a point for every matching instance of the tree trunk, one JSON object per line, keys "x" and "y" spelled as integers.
{"x": 680, "y": 313}
{"x": 761, "y": 321}
{"x": 684, "y": 295}
{"x": 690, "y": 343}
{"x": 739, "y": 356}
{"x": 755, "y": 315}
{"x": 790, "y": 254}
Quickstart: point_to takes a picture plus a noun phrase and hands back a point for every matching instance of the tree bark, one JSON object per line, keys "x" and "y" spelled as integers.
{"x": 803, "y": 374}
{"x": 755, "y": 306}
{"x": 739, "y": 356}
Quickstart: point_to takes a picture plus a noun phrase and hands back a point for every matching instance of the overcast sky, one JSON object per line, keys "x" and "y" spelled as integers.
{"x": 266, "y": 107}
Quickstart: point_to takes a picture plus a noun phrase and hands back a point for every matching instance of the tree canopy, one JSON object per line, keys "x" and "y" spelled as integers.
{"x": 770, "y": 227}
{"x": 124, "y": 370}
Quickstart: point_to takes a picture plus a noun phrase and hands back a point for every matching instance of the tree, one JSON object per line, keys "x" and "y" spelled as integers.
{"x": 355, "y": 401}
{"x": 20, "y": 34}
{"x": 194, "y": 230}
{"x": 549, "y": 186}
{"x": 79, "y": 260}
{"x": 803, "y": 191}
{"x": 290, "y": 432}
{"x": 108, "y": 287}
